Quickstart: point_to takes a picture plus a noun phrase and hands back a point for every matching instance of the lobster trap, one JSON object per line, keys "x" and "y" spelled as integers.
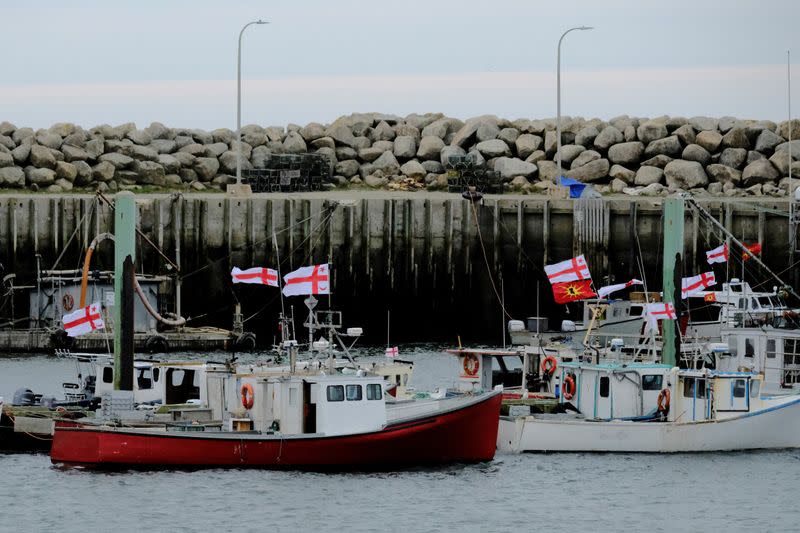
{"x": 289, "y": 173}
{"x": 463, "y": 173}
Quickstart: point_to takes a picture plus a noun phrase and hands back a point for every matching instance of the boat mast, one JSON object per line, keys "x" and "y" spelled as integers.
{"x": 673, "y": 267}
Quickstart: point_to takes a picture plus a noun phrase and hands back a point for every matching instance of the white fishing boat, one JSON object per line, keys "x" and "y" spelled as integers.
{"x": 642, "y": 407}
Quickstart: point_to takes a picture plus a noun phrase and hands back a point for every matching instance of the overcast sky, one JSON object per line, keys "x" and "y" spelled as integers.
{"x": 93, "y": 62}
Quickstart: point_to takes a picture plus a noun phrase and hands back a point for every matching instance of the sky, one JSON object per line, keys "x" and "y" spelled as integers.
{"x": 92, "y": 62}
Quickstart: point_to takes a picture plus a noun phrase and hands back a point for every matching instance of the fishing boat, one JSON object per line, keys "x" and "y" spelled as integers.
{"x": 300, "y": 421}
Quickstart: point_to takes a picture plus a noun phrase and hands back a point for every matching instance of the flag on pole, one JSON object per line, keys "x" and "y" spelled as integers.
{"x": 602, "y": 292}
{"x": 392, "y": 351}
{"x": 655, "y": 312}
{"x": 84, "y": 320}
{"x": 307, "y": 280}
{"x": 695, "y": 284}
{"x": 752, "y": 249}
{"x": 256, "y": 276}
{"x": 574, "y": 269}
{"x": 717, "y": 255}
{"x": 572, "y": 291}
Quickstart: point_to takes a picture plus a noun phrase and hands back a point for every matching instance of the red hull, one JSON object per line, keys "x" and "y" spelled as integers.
{"x": 468, "y": 434}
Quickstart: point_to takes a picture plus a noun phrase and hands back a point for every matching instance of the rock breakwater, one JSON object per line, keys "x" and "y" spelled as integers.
{"x": 629, "y": 155}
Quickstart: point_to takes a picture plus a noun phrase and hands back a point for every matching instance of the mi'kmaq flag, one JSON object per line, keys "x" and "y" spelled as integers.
{"x": 307, "y": 280}
{"x": 255, "y": 275}
{"x": 571, "y": 280}
{"x": 82, "y": 321}
{"x": 654, "y": 312}
{"x": 751, "y": 250}
{"x": 717, "y": 255}
{"x": 696, "y": 284}
{"x": 602, "y": 292}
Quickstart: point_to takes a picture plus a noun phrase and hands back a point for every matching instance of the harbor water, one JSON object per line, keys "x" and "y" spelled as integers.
{"x": 743, "y": 491}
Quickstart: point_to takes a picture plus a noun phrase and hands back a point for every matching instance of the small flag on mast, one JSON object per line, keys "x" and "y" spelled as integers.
{"x": 574, "y": 269}
{"x": 84, "y": 320}
{"x": 602, "y": 292}
{"x": 307, "y": 280}
{"x": 392, "y": 351}
{"x": 256, "y": 276}
{"x": 695, "y": 284}
{"x": 717, "y": 255}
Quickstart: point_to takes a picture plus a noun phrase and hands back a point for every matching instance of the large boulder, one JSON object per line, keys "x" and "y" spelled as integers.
{"x": 723, "y": 174}
{"x": 66, "y": 171}
{"x": 704, "y": 123}
{"x": 347, "y": 168}
{"x": 509, "y": 167}
{"x": 430, "y": 147}
{"x": 592, "y": 171}
{"x": 206, "y": 168}
{"x": 294, "y": 144}
{"x": 651, "y": 130}
{"x": 12, "y": 177}
{"x": 608, "y": 137}
{"x": 685, "y": 174}
{"x": 141, "y": 137}
{"x": 48, "y": 139}
{"x": 585, "y": 157}
{"x": 103, "y": 171}
{"x": 21, "y": 153}
{"x": 670, "y": 146}
{"x": 437, "y": 128}
{"x": 382, "y": 132}
{"x": 149, "y": 173}
{"x": 487, "y": 131}
{"x": 647, "y": 175}
{"x": 42, "y": 157}
{"x": 118, "y": 160}
{"x": 685, "y": 134}
{"x": 413, "y": 169}
{"x": 94, "y": 147}
{"x": 170, "y": 163}
{"x": 509, "y": 136}
{"x": 695, "y": 152}
{"x": 709, "y": 139}
{"x": 74, "y": 153}
{"x": 526, "y": 144}
{"x": 370, "y": 154}
{"x": 41, "y": 177}
{"x": 618, "y": 172}
{"x": 761, "y": 171}
{"x": 629, "y": 153}
{"x": 312, "y": 131}
{"x": 659, "y": 161}
{"x": 6, "y": 160}
{"x": 733, "y": 157}
{"x": 387, "y": 163}
{"x": 405, "y": 147}
{"x": 585, "y": 136}
{"x": 493, "y": 148}
{"x": 767, "y": 141}
{"x": 736, "y": 138}
{"x": 341, "y": 134}
{"x": 568, "y": 153}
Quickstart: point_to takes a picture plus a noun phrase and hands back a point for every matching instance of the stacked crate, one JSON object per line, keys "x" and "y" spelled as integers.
{"x": 463, "y": 173}
{"x": 289, "y": 173}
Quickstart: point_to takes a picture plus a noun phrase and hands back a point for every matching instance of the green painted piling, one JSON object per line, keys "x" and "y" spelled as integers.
{"x": 124, "y": 259}
{"x": 673, "y": 258}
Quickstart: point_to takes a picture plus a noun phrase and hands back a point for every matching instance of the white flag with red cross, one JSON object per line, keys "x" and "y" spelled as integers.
{"x": 255, "y": 275}
{"x": 574, "y": 269}
{"x": 717, "y": 255}
{"x": 659, "y": 311}
{"x": 602, "y": 292}
{"x": 392, "y": 351}
{"x": 83, "y": 320}
{"x": 307, "y": 280}
{"x": 695, "y": 284}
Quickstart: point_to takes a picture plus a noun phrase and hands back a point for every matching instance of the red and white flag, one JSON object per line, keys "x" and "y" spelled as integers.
{"x": 717, "y": 255}
{"x": 307, "y": 280}
{"x": 574, "y": 269}
{"x": 659, "y": 311}
{"x": 392, "y": 351}
{"x": 695, "y": 284}
{"x": 255, "y": 275}
{"x": 602, "y": 292}
{"x": 83, "y": 320}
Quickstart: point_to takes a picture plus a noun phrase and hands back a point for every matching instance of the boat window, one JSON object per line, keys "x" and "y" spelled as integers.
{"x": 604, "y": 386}
{"x": 178, "y": 376}
{"x": 753, "y": 303}
{"x": 374, "y": 391}
{"x": 636, "y": 310}
{"x": 703, "y": 311}
{"x": 742, "y": 303}
{"x": 292, "y": 396}
{"x": 749, "y": 350}
{"x": 739, "y": 388}
{"x": 354, "y": 393}
{"x": 736, "y": 288}
{"x": 143, "y": 379}
{"x": 755, "y": 387}
{"x": 335, "y": 393}
{"x": 652, "y": 382}
{"x": 156, "y": 374}
{"x": 771, "y": 349}
{"x": 397, "y": 379}
{"x": 108, "y": 375}
{"x": 765, "y": 301}
{"x": 689, "y": 385}
{"x": 791, "y": 361}
{"x": 405, "y": 379}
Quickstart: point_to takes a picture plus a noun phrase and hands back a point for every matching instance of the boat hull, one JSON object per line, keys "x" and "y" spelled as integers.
{"x": 467, "y": 434}
{"x": 775, "y": 427}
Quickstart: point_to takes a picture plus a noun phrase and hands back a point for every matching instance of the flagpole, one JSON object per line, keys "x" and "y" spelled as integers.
{"x": 278, "y": 260}
{"x": 387, "y": 328}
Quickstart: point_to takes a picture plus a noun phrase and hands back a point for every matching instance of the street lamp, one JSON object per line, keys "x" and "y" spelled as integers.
{"x": 239, "y": 104}
{"x": 558, "y": 91}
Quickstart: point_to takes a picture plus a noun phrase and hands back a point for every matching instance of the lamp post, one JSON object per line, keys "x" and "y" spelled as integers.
{"x": 558, "y": 93}
{"x": 239, "y": 104}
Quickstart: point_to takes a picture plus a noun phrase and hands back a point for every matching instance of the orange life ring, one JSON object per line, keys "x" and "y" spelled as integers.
{"x": 248, "y": 397}
{"x": 471, "y": 365}
{"x": 549, "y": 365}
{"x": 68, "y": 302}
{"x": 663, "y": 401}
{"x": 569, "y": 392}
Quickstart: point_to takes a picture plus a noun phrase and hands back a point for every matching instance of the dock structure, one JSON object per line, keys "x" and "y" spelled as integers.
{"x": 442, "y": 264}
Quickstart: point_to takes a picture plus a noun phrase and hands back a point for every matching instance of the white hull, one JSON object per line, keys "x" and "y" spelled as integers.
{"x": 777, "y": 426}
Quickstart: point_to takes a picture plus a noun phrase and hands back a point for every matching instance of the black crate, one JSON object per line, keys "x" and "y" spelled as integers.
{"x": 289, "y": 173}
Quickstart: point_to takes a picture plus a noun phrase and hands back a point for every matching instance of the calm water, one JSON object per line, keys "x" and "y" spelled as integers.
{"x": 571, "y": 492}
